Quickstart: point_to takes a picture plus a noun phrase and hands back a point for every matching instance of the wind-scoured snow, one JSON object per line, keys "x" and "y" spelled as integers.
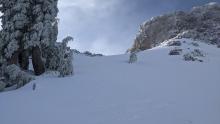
{"x": 157, "y": 89}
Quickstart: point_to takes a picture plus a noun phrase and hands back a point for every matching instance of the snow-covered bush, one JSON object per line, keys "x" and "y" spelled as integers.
{"x": 2, "y": 86}
{"x": 133, "y": 57}
{"x": 188, "y": 57}
{"x": 67, "y": 39}
{"x": 59, "y": 58}
{"x": 194, "y": 56}
{"x": 66, "y": 60}
{"x": 15, "y": 76}
{"x": 76, "y": 51}
{"x": 195, "y": 44}
{"x": 98, "y": 54}
{"x": 87, "y": 53}
{"x": 218, "y": 44}
{"x": 34, "y": 86}
{"x": 197, "y": 53}
{"x": 2, "y": 68}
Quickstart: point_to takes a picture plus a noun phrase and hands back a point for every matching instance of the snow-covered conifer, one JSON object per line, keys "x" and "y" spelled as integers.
{"x": 59, "y": 58}
{"x": 30, "y": 28}
{"x": 15, "y": 22}
{"x": 44, "y": 31}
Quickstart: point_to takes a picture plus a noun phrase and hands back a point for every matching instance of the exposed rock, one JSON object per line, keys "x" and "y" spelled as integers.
{"x": 174, "y": 43}
{"x": 175, "y": 51}
{"x": 201, "y": 23}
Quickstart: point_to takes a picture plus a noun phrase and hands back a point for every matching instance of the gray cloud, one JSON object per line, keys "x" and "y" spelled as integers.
{"x": 109, "y": 26}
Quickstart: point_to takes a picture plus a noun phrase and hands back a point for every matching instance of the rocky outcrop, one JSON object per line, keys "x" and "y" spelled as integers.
{"x": 201, "y": 23}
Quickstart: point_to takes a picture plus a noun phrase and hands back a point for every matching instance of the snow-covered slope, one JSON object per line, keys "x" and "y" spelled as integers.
{"x": 158, "y": 89}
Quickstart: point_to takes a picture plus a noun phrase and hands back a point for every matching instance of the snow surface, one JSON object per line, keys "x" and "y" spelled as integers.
{"x": 158, "y": 89}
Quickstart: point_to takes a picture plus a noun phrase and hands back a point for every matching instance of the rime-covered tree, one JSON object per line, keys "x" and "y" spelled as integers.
{"x": 43, "y": 31}
{"x": 15, "y": 21}
{"x": 59, "y": 57}
{"x": 30, "y": 28}
{"x": 1, "y": 57}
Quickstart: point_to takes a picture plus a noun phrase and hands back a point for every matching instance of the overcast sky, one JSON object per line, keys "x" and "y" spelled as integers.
{"x": 110, "y": 26}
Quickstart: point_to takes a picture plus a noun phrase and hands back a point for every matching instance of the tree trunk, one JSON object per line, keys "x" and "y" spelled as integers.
{"x": 24, "y": 59}
{"x": 13, "y": 59}
{"x": 37, "y": 61}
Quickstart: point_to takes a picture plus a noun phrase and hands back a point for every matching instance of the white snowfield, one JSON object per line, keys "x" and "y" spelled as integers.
{"x": 157, "y": 89}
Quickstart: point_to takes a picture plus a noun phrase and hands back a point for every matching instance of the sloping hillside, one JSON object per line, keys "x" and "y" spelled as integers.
{"x": 158, "y": 89}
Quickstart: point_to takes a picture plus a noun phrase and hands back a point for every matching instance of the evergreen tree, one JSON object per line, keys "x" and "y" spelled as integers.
{"x": 30, "y": 28}
{"x": 15, "y": 23}
{"x": 59, "y": 57}
{"x": 43, "y": 32}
